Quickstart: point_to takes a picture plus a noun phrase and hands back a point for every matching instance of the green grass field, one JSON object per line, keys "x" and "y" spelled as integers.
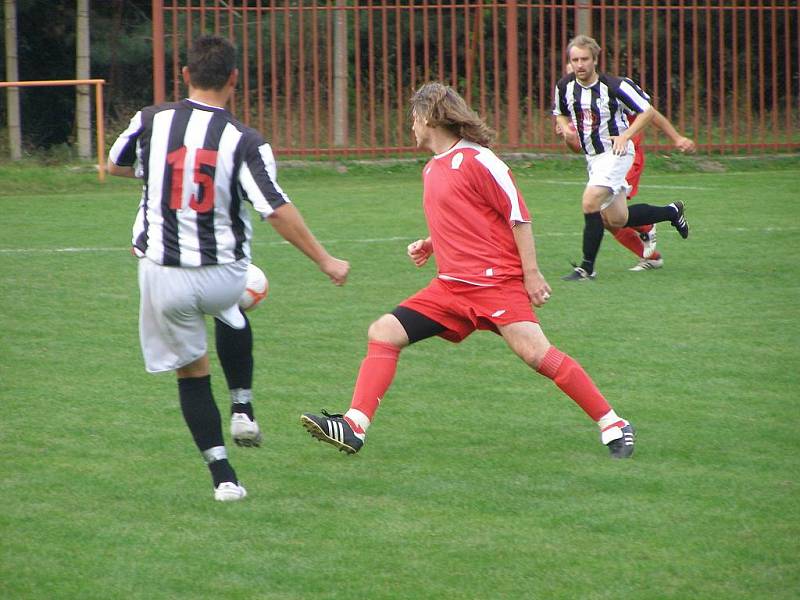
{"x": 479, "y": 480}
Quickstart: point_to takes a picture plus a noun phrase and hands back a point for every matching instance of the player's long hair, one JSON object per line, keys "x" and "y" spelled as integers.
{"x": 211, "y": 60}
{"x": 441, "y": 106}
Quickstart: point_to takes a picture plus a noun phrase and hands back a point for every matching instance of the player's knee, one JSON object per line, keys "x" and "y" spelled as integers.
{"x": 387, "y": 329}
{"x": 534, "y": 355}
{"x": 616, "y": 220}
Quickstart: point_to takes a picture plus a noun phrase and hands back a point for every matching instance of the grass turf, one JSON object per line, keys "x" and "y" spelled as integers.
{"x": 479, "y": 478}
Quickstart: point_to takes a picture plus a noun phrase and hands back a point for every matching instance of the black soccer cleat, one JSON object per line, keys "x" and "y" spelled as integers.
{"x": 579, "y": 274}
{"x": 679, "y": 222}
{"x": 622, "y": 447}
{"x": 334, "y": 430}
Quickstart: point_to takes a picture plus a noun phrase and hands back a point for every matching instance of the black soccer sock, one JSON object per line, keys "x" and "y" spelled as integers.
{"x": 221, "y": 470}
{"x": 646, "y": 214}
{"x": 235, "y": 351}
{"x": 592, "y": 237}
{"x": 203, "y": 419}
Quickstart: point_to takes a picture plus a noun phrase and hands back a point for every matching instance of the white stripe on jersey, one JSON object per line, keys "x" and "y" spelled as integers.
{"x": 252, "y": 190}
{"x": 265, "y": 150}
{"x": 193, "y": 139}
{"x": 502, "y": 175}
{"x": 627, "y": 96}
{"x": 155, "y": 184}
{"x": 633, "y": 96}
{"x": 226, "y": 241}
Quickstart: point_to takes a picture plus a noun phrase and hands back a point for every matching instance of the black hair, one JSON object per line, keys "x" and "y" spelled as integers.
{"x": 211, "y": 61}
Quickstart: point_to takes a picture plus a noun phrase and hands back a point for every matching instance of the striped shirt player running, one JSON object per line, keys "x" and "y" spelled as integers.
{"x": 597, "y": 106}
{"x": 642, "y": 240}
{"x": 480, "y": 236}
{"x": 200, "y": 169}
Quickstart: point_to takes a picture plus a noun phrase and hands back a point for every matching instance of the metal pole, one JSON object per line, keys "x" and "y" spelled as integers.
{"x": 12, "y": 74}
{"x": 512, "y": 73}
{"x": 158, "y": 52}
{"x": 583, "y": 17}
{"x": 340, "y": 75}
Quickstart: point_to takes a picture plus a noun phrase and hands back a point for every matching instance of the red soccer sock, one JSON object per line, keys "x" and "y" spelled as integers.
{"x": 374, "y": 378}
{"x": 629, "y": 237}
{"x": 568, "y": 375}
{"x": 643, "y": 228}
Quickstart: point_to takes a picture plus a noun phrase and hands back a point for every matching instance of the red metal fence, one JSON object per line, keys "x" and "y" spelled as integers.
{"x": 333, "y": 78}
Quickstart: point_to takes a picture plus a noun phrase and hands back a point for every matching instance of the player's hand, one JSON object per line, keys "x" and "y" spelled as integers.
{"x": 685, "y": 144}
{"x": 336, "y": 269}
{"x": 420, "y": 251}
{"x": 620, "y": 145}
{"x": 573, "y": 142}
{"x": 537, "y": 288}
{"x": 570, "y": 136}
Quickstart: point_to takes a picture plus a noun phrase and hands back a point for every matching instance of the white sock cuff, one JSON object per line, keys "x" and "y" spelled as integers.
{"x": 241, "y": 396}
{"x": 214, "y": 454}
{"x": 358, "y": 417}
{"x": 608, "y": 419}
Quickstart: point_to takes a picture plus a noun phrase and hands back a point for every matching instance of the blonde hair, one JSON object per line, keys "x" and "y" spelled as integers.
{"x": 440, "y": 105}
{"x": 584, "y": 41}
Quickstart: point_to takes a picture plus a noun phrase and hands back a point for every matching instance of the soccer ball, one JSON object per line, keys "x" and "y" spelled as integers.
{"x": 256, "y": 289}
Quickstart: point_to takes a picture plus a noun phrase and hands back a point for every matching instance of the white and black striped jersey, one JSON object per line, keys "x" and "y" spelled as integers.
{"x": 199, "y": 166}
{"x": 599, "y": 111}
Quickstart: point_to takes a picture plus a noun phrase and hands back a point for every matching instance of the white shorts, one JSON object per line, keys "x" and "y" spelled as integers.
{"x": 173, "y": 302}
{"x": 609, "y": 170}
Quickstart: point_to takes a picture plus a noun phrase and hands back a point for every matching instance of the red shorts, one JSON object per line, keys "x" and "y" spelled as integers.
{"x": 462, "y": 308}
{"x": 635, "y": 172}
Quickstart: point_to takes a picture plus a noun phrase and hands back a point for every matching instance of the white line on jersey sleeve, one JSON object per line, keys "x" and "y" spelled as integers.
{"x": 251, "y": 187}
{"x": 500, "y": 172}
{"x": 265, "y": 150}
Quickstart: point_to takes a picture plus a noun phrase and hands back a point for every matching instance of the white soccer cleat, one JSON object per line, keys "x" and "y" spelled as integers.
{"x": 227, "y": 491}
{"x": 244, "y": 431}
{"x": 648, "y": 264}
{"x": 649, "y": 242}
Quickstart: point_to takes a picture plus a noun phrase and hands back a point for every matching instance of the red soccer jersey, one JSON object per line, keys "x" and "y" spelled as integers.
{"x": 471, "y": 204}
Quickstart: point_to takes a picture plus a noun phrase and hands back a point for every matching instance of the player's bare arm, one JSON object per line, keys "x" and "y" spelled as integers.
{"x": 563, "y": 126}
{"x": 682, "y": 143}
{"x": 289, "y": 224}
{"x": 566, "y": 130}
{"x": 620, "y": 142}
{"x": 420, "y": 251}
{"x": 118, "y": 171}
{"x": 535, "y": 284}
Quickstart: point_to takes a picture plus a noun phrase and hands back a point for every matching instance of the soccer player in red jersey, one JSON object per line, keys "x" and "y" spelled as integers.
{"x": 480, "y": 236}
